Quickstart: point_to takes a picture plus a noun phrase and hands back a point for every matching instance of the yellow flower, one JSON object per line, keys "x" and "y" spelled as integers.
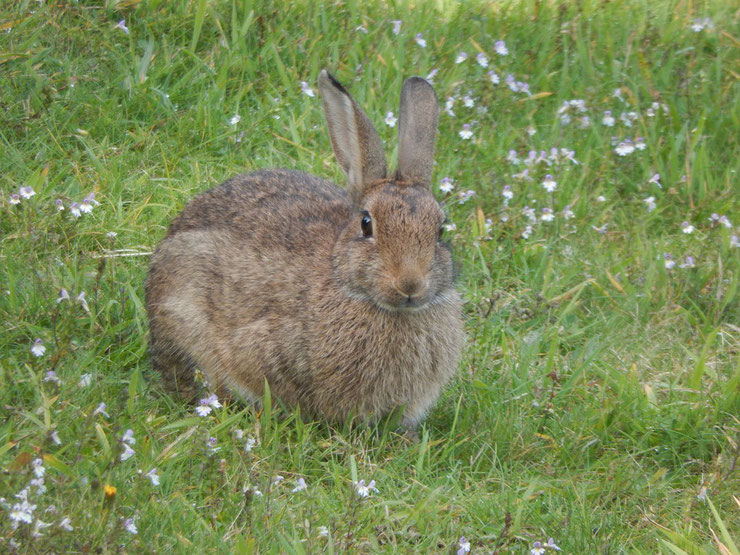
{"x": 110, "y": 491}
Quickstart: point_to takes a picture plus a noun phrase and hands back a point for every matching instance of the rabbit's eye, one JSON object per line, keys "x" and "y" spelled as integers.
{"x": 441, "y": 231}
{"x": 367, "y": 224}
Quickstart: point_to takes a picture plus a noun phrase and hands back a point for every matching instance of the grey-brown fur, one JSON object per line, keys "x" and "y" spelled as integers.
{"x": 269, "y": 276}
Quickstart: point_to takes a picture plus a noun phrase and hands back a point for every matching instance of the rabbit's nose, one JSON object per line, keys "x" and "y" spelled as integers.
{"x": 411, "y": 285}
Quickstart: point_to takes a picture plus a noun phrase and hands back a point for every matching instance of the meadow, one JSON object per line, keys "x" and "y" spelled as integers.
{"x": 587, "y": 155}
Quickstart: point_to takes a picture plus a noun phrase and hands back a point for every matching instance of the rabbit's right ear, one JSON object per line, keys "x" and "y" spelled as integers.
{"x": 355, "y": 141}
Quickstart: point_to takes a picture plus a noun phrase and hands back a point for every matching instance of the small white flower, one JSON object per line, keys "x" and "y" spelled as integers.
{"x": 26, "y": 192}
{"x": 74, "y": 209}
{"x": 277, "y": 479}
{"x": 130, "y": 525}
{"x": 608, "y": 120}
{"x": 390, "y": 119}
{"x": 396, "y": 26}
{"x": 537, "y": 549}
{"x": 55, "y": 438}
{"x": 66, "y": 524}
{"x": 524, "y": 175}
{"x": 482, "y": 60}
{"x": 128, "y": 437}
{"x": 236, "y": 118}
{"x": 640, "y": 143}
{"x": 650, "y": 203}
{"x": 569, "y": 155}
{"x": 364, "y": 490}
{"x": 122, "y": 26}
{"x": 466, "y": 134}
{"x": 568, "y": 213}
{"x": 626, "y": 119}
{"x": 461, "y": 57}
{"x": 127, "y": 452}
{"x": 493, "y": 77}
{"x": 212, "y": 401}
{"x": 669, "y": 262}
{"x": 601, "y": 198}
{"x": 687, "y": 228}
{"x": 81, "y": 300}
{"x": 308, "y": 91}
{"x": 702, "y": 495}
{"x": 549, "y": 183}
{"x": 300, "y": 485}
{"x": 700, "y": 24}
{"x": 507, "y": 193}
{"x": 468, "y": 101}
{"x": 688, "y": 262}
{"x": 725, "y": 221}
{"x": 547, "y": 215}
{"x": 449, "y": 103}
{"x": 579, "y": 104}
{"x": 59, "y": 204}
{"x": 655, "y": 179}
{"x": 465, "y": 196}
{"x": 85, "y": 380}
{"x": 63, "y": 295}
{"x": 153, "y": 476}
{"x": 38, "y": 483}
{"x": 249, "y": 445}
{"x": 15, "y": 199}
{"x": 527, "y": 232}
{"x": 450, "y": 226}
{"x": 500, "y": 48}
{"x": 584, "y": 122}
{"x": 22, "y": 512}
{"x": 323, "y": 531}
{"x": 624, "y": 148}
{"x": 551, "y": 544}
{"x": 38, "y": 468}
{"x": 464, "y": 545}
{"x": 86, "y": 207}
{"x": 446, "y": 185}
{"x": 420, "y": 40}
{"x": 100, "y": 409}
{"x": 734, "y": 241}
{"x": 203, "y": 410}
{"x": 600, "y": 230}
{"x": 431, "y": 75}
{"x": 38, "y": 348}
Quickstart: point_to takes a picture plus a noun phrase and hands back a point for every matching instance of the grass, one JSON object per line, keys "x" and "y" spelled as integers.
{"x": 598, "y": 400}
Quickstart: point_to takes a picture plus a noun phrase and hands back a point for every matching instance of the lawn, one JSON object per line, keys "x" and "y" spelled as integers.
{"x": 587, "y": 156}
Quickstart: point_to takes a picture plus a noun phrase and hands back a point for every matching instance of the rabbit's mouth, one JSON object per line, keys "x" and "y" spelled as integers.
{"x": 406, "y": 304}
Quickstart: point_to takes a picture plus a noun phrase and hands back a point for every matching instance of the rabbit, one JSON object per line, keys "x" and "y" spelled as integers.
{"x": 344, "y": 302}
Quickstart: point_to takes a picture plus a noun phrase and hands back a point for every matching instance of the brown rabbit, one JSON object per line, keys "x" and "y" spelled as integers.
{"x": 343, "y": 301}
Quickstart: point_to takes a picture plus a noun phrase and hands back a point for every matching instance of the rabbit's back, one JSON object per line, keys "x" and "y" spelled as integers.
{"x": 256, "y": 205}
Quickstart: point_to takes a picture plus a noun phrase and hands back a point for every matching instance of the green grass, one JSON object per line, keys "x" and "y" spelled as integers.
{"x": 599, "y": 396}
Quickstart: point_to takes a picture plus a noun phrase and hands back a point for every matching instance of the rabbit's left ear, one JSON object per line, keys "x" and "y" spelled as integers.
{"x": 417, "y": 125}
{"x": 354, "y": 139}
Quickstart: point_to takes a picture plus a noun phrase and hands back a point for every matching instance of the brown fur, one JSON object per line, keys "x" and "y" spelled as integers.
{"x": 269, "y": 276}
